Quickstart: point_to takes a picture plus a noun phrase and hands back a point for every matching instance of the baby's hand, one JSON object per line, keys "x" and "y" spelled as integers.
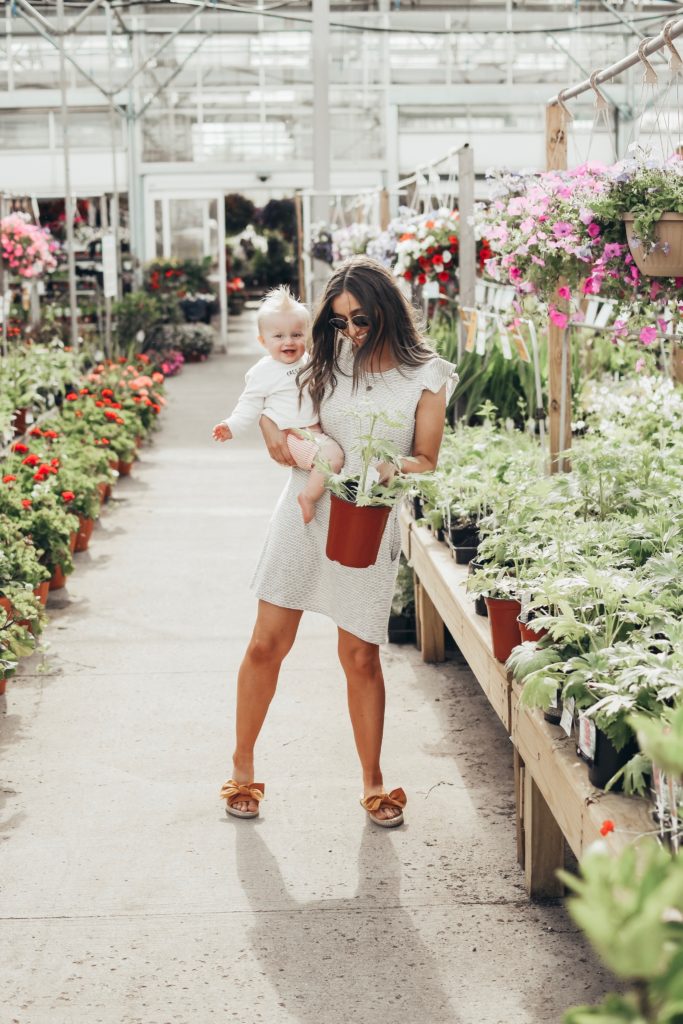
{"x": 222, "y": 432}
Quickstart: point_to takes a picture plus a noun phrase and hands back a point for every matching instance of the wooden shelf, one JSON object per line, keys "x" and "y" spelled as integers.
{"x": 555, "y": 800}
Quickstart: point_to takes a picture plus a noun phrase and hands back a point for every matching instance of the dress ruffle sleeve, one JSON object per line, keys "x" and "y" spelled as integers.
{"x": 438, "y": 372}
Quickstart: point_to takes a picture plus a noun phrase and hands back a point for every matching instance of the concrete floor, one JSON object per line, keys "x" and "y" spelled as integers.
{"x": 127, "y": 895}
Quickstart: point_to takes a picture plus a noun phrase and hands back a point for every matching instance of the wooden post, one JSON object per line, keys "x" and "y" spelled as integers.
{"x": 467, "y": 251}
{"x": 677, "y": 362}
{"x": 543, "y": 845}
{"x": 559, "y": 351}
{"x": 432, "y": 636}
{"x": 384, "y": 211}
{"x": 300, "y": 246}
{"x": 518, "y": 765}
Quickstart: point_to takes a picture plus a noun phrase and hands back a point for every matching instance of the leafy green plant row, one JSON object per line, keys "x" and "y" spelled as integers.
{"x": 595, "y": 556}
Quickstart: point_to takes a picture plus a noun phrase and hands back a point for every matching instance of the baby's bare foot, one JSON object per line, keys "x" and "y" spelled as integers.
{"x": 307, "y": 507}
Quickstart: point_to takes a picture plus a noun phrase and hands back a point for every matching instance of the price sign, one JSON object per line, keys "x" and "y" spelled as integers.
{"x": 567, "y": 720}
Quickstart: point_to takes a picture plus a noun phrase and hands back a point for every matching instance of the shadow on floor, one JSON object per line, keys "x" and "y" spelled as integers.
{"x": 359, "y": 959}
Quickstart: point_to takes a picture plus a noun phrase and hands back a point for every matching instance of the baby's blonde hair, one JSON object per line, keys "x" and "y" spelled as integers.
{"x": 281, "y": 300}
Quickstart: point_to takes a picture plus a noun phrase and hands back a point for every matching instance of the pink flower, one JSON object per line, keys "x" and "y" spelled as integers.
{"x": 640, "y": 365}
{"x": 563, "y": 229}
{"x": 564, "y": 292}
{"x": 611, "y": 251}
{"x": 515, "y": 274}
{"x": 655, "y": 289}
{"x": 594, "y": 230}
{"x": 558, "y": 318}
{"x": 648, "y": 335}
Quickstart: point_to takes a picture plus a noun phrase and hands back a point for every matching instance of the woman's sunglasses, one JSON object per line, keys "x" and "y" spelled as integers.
{"x": 340, "y": 323}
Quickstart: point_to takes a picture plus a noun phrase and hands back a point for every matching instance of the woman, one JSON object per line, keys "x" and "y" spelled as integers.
{"x": 366, "y": 346}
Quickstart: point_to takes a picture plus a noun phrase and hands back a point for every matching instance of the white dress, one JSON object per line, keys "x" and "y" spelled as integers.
{"x": 293, "y": 570}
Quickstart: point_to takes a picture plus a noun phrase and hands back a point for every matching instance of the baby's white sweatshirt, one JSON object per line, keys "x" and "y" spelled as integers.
{"x": 271, "y": 389}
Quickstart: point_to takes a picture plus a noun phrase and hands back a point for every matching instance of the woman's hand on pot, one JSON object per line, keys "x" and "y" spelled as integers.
{"x": 387, "y": 471}
{"x": 276, "y": 442}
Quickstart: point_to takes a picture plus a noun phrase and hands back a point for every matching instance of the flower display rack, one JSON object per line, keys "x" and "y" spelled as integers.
{"x": 554, "y": 800}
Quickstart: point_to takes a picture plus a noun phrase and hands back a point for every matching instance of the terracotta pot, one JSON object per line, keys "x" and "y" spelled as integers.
{"x": 505, "y": 635}
{"x": 41, "y": 592}
{"x": 355, "y": 533}
{"x": 138, "y": 441}
{"x": 102, "y": 488}
{"x": 73, "y": 537}
{"x": 125, "y": 467}
{"x": 84, "y": 533}
{"x": 3, "y": 686}
{"x": 669, "y": 234}
{"x": 6, "y": 604}
{"x": 529, "y": 634}
{"x": 113, "y": 463}
{"x": 58, "y": 579}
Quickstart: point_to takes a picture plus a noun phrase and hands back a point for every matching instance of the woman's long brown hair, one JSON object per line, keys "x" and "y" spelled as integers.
{"x": 393, "y": 323}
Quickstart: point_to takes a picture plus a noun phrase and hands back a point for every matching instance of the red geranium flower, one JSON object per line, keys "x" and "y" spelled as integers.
{"x": 107, "y": 393}
{"x": 68, "y": 495}
{"x": 421, "y": 278}
{"x": 408, "y": 275}
{"x": 443, "y": 276}
{"x": 35, "y": 432}
{"x": 8, "y": 479}
{"x": 51, "y": 434}
{"x": 85, "y": 391}
{"x": 115, "y": 405}
{"x": 606, "y": 827}
{"x": 110, "y": 414}
{"x": 72, "y": 397}
{"x": 19, "y": 447}
{"x": 26, "y": 502}
{"x": 143, "y": 358}
{"x": 436, "y": 260}
{"x": 99, "y": 405}
{"x": 31, "y": 460}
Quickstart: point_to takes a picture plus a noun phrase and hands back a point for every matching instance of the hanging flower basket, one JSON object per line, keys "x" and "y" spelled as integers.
{"x": 355, "y": 532}
{"x": 666, "y": 260}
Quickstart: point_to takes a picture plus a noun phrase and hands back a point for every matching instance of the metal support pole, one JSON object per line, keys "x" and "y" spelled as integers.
{"x": 112, "y": 129}
{"x": 321, "y": 129}
{"x": 222, "y": 268}
{"x": 68, "y": 198}
{"x": 467, "y": 246}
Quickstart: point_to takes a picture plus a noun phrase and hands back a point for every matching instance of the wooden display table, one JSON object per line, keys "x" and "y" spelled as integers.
{"x": 554, "y": 799}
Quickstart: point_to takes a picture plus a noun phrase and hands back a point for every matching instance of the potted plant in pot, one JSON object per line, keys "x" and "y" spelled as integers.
{"x": 647, "y": 194}
{"x": 500, "y": 588}
{"x": 360, "y": 504}
{"x": 15, "y": 642}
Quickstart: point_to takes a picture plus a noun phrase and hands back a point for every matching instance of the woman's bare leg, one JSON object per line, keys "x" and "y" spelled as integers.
{"x": 271, "y": 640}
{"x": 365, "y": 688}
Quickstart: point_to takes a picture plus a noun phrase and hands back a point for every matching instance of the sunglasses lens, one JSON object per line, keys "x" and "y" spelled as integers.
{"x": 338, "y": 322}
{"x": 360, "y": 321}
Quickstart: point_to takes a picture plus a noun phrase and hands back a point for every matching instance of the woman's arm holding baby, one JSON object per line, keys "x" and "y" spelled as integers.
{"x": 276, "y": 442}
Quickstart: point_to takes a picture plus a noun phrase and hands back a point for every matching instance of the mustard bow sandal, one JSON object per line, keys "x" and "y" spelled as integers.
{"x": 234, "y": 792}
{"x": 374, "y": 803}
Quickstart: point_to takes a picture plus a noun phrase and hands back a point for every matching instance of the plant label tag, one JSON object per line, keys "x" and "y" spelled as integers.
{"x": 520, "y": 346}
{"x": 504, "y": 340}
{"x": 481, "y": 337}
{"x": 603, "y": 314}
{"x": 587, "y": 737}
{"x": 430, "y": 290}
{"x": 470, "y": 323}
{"x": 567, "y": 720}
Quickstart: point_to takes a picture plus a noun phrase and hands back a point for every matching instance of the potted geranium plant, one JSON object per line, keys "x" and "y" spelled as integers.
{"x": 360, "y": 504}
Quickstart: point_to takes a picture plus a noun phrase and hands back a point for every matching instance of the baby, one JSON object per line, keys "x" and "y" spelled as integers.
{"x": 271, "y": 389}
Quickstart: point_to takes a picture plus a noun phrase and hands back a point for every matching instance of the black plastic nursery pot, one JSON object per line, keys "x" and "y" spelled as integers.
{"x": 603, "y": 758}
{"x": 463, "y": 554}
{"x": 464, "y": 536}
{"x": 554, "y": 714}
{"x": 402, "y": 629}
{"x": 418, "y": 511}
{"x": 355, "y": 532}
